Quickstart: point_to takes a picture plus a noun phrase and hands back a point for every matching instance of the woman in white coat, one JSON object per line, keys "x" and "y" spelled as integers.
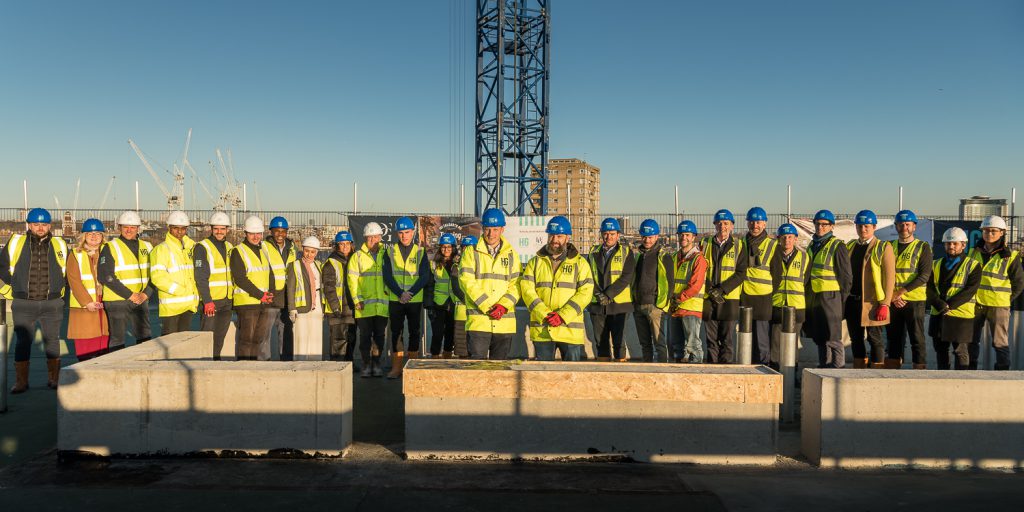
{"x": 305, "y": 288}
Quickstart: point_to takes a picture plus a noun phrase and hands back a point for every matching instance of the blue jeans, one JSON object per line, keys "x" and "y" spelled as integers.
{"x": 545, "y": 350}
{"x": 686, "y": 344}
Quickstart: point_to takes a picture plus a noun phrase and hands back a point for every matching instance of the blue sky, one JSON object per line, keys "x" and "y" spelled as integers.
{"x": 731, "y": 101}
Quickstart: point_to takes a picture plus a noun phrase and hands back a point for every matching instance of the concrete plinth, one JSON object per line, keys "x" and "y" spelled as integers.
{"x": 167, "y": 397}
{"x": 929, "y": 418}
{"x": 539, "y": 410}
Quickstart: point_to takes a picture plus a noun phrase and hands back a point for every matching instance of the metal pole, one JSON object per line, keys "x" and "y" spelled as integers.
{"x": 3, "y": 355}
{"x": 462, "y": 199}
{"x": 677, "y": 202}
{"x": 136, "y": 195}
{"x": 789, "y": 203}
{"x": 788, "y": 366}
{"x": 746, "y": 336}
{"x": 24, "y": 185}
{"x": 901, "y": 198}
{"x": 355, "y": 197}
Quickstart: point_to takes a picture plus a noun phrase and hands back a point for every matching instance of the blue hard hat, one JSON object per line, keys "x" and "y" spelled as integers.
{"x": 610, "y": 224}
{"x": 278, "y": 222}
{"x": 38, "y": 215}
{"x": 559, "y": 225}
{"x": 686, "y": 226}
{"x": 469, "y": 241}
{"x": 906, "y": 216}
{"x": 866, "y": 217}
{"x": 787, "y": 229}
{"x": 825, "y": 215}
{"x": 342, "y": 236}
{"x": 404, "y": 224}
{"x": 724, "y": 214}
{"x": 446, "y": 239}
{"x": 493, "y": 218}
{"x": 649, "y": 227}
{"x": 91, "y": 225}
{"x": 757, "y": 213}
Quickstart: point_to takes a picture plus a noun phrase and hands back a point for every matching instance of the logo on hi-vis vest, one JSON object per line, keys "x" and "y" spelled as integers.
{"x": 60, "y": 255}
{"x": 568, "y": 269}
{"x": 505, "y": 261}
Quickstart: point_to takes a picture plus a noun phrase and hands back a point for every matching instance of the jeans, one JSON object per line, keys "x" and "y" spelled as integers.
{"x": 875, "y": 334}
{"x": 177, "y": 323}
{"x": 488, "y": 345}
{"x": 371, "y": 338}
{"x": 686, "y": 344}
{"x": 545, "y": 350}
{"x": 218, "y": 325}
{"x": 253, "y": 326}
{"x": 653, "y": 344}
{"x": 908, "y": 320}
{"x": 27, "y": 313}
{"x": 123, "y": 313}
{"x": 761, "y": 349}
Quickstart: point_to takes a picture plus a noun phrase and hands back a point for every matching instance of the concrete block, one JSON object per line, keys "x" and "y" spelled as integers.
{"x": 927, "y": 418}
{"x": 168, "y": 397}
{"x": 563, "y": 411}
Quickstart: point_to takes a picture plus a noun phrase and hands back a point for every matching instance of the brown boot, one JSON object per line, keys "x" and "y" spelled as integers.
{"x": 878, "y": 365}
{"x": 920, "y": 366}
{"x": 893, "y": 364}
{"x": 603, "y": 359}
{"x": 447, "y": 354}
{"x": 397, "y": 360}
{"x": 622, "y": 360}
{"x": 52, "y": 373}
{"x": 20, "y": 377}
{"x": 861, "y": 362}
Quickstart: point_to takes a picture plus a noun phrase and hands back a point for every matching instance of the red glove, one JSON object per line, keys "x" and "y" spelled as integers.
{"x": 267, "y": 298}
{"x": 209, "y": 309}
{"x": 882, "y": 314}
{"x": 553, "y": 319}
{"x": 497, "y": 311}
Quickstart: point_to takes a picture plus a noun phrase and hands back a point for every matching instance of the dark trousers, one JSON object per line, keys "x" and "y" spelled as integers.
{"x": 399, "y": 314}
{"x": 489, "y": 345}
{"x": 218, "y": 325}
{"x": 608, "y": 329}
{"x": 875, "y": 335}
{"x": 371, "y": 338}
{"x": 343, "y": 339}
{"x": 176, "y": 323}
{"x": 125, "y": 314}
{"x": 904, "y": 322}
{"x": 27, "y": 313}
{"x": 442, "y": 329}
{"x": 285, "y": 335}
{"x": 719, "y": 334}
{"x": 461, "y": 346}
{"x": 997, "y": 322}
{"x": 962, "y": 352}
{"x": 253, "y": 326}
{"x": 761, "y": 345}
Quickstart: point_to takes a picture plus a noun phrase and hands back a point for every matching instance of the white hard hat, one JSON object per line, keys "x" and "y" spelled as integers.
{"x": 253, "y": 224}
{"x": 954, "y": 235}
{"x": 311, "y": 241}
{"x": 177, "y": 218}
{"x": 129, "y": 218}
{"x": 993, "y": 221}
{"x": 372, "y": 229}
{"x": 220, "y": 219}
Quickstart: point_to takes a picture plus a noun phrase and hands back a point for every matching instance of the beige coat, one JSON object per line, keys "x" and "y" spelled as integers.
{"x": 869, "y": 302}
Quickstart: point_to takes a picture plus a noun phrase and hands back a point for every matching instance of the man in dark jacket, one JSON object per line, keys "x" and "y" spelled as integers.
{"x": 727, "y": 269}
{"x": 652, "y": 285}
{"x": 764, "y": 273}
{"x": 830, "y": 282}
{"x": 613, "y": 265}
{"x": 341, "y": 320}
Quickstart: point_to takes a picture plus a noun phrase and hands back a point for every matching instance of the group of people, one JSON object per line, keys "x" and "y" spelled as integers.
{"x": 470, "y": 291}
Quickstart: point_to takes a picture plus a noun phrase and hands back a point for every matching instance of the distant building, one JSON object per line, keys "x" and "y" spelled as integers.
{"x": 979, "y": 207}
{"x": 574, "y": 190}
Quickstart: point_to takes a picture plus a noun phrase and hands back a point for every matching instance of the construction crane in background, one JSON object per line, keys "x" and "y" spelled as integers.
{"x": 106, "y": 193}
{"x": 176, "y": 195}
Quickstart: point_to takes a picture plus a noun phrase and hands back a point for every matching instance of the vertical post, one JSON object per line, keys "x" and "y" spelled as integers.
{"x": 462, "y": 199}
{"x": 245, "y": 198}
{"x": 24, "y": 186}
{"x": 788, "y": 366}
{"x": 744, "y": 342}
{"x": 3, "y": 355}
{"x": 355, "y": 197}
{"x": 137, "y": 204}
{"x": 901, "y": 199}
{"x": 789, "y": 203}
{"x": 677, "y": 203}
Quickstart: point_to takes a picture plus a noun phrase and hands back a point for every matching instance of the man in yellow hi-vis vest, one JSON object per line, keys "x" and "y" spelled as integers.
{"x": 952, "y": 294}
{"x": 170, "y": 270}
{"x": 793, "y": 275}
{"x": 689, "y": 268}
{"x": 829, "y": 286}
{"x": 366, "y": 284}
{"x": 253, "y": 282}
{"x": 874, "y": 278}
{"x": 727, "y": 269}
{"x": 123, "y": 270}
{"x": 406, "y": 270}
{"x": 33, "y": 264}
{"x": 652, "y": 286}
{"x": 613, "y": 265}
{"x": 762, "y": 279}
{"x": 282, "y": 252}
{"x": 213, "y": 280}
{"x": 557, "y": 285}
{"x": 1002, "y": 281}
{"x": 489, "y": 277}
{"x": 913, "y": 271}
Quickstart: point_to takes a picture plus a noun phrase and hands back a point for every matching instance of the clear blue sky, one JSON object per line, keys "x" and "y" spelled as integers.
{"x": 730, "y": 100}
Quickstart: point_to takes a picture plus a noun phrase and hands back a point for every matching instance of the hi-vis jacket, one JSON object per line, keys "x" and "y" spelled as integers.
{"x": 565, "y": 289}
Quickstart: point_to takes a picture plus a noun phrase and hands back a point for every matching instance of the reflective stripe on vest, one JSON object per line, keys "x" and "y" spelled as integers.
{"x": 14, "y": 247}
{"x": 257, "y": 269}
{"x": 130, "y": 269}
{"x": 614, "y": 270}
{"x": 88, "y": 279}
{"x": 823, "y": 271}
{"x": 220, "y": 283}
{"x": 875, "y": 260}
{"x": 278, "y": 264}
{"x": 791, "y": 288}
{"x": 339, "y": 283}
{"x": 405, "y": 271}
{"x": 556, "y": 289}
{"x": 906, "y": 268}
{"x": 442, "y": 285}
{"x": 965, "y": 310}
{"x": 366, "y": 282}
{"x": 759, "y": 275}
{"x": 486, "y": 280}
{"x": 996, "y": 289}
{"x": 728, "y": 263}
{"x": 299, "y": 300}
{"x": 683, "y": 273}
{"x": 174, "y": 258}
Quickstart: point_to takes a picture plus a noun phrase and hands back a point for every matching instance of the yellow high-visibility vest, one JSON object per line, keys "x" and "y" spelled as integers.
{"x": 728, "y": 261}
{"x": 257, "y": 270}
{"x": 220, "y": 283}
{"x": 683, "y": 273}
{"x": 406, "y": 271}
{"x": 299, "y": 300}
{"x": 759, "y": 277}
{"x": 906, "y": 268}
{"x": 279, "y": 264}
{"x": 14, "y": 246}
{"x": 966, "y": 310}
{"x": 131, "y": 269}
{"x": 996, "y": 289}
{"x": 823, "y": 270}
{"x": 366, "y": 282}
{"x": 566, "y": 290}
{"x": 614, "y": 270}
{"x": 874, "y": 256}
{"x": 88, "y": 279}
{"x": 172, "y": 272}
{"x": 791, "y": 288}
{"x": 487, "y": 280}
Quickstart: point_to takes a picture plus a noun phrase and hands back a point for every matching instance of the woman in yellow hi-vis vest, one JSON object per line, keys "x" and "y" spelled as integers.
{"x": 87, "y": 321}
{"x": 441, "y": 302}
{"x": 305, "y": 298}
{"x": 1002, "y": 280}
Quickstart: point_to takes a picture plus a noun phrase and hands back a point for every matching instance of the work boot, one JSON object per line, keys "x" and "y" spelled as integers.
{"x": 877, "y": 366}
{"x": 622, "y": 360}
{"x": 367, "y": 370}
{"x": 447, "y": 354}
{"x": 920, "y": 366}
{"x": 397, "y": 359}
{"x": 603, "y": 359}
{"x": 893, "y": 364}
{"x": 860, "y": 362}
{"x": 52, "y": 372}
{"x": 376, "y": 371}
{"x": 20, "y": 377}
{"x": 1001, "y": 367}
